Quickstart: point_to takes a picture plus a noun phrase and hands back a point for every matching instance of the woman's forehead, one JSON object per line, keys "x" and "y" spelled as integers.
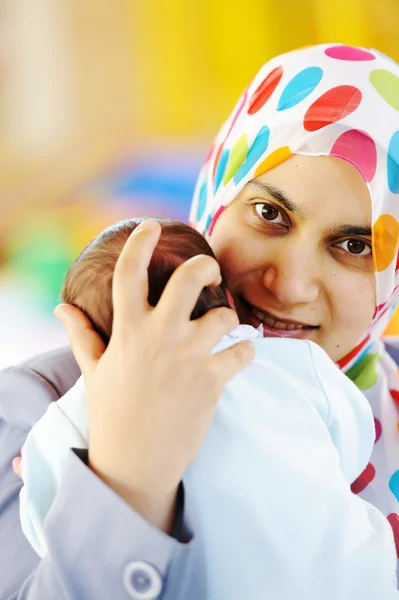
{"x": 308, "y": 185}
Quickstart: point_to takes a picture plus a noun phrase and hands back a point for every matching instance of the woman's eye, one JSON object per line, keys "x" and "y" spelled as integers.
{"x": 355, "y": 247}
{"x": 269, "y": 212}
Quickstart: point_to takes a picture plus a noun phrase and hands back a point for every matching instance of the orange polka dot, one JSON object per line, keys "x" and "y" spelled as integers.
{"x": 274, "y": 159}
{"x": 385, "y": 241}
{"x": 397, "y": 425}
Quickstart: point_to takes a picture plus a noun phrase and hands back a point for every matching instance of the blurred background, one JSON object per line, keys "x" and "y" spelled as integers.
{"x": 107, "y": 110}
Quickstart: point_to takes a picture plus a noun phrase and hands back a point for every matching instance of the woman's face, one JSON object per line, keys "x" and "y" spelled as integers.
{"x": 295, "y": 249}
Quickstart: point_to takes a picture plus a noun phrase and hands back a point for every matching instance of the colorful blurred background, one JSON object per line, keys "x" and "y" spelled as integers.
{"x": 107, "y": 110}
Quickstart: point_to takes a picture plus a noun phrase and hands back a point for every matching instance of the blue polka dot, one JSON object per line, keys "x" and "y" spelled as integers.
{"x": 255, "y": 152}
{"x": 220, "y": 169}
{"x": 394, "y": 485}
{"x": 300, "y": 87}
{"x": 393, "y": 164}
{"x": 208, "y": 222}
{"x": 202, "y": 201}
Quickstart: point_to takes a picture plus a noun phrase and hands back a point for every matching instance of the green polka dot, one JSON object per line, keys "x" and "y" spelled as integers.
{"x": 237, "y": 157}
{"x": 364, "y": 373}
{"x": 387, "y": 85}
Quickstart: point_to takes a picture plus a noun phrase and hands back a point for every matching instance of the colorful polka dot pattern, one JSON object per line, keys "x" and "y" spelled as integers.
{"x": 341, "y": 101}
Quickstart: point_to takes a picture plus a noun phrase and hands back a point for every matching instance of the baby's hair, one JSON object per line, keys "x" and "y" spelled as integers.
{"x": 88, "y": 283}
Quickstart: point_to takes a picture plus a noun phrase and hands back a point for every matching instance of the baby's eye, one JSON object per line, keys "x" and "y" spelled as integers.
{"x": 355, "y": 247}
{"x": 269, "y": 212}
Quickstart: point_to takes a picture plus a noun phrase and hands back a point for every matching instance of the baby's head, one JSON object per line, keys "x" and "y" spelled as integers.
{"x": 88, "y": 284}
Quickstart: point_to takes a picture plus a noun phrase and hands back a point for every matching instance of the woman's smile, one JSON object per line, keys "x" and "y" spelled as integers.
{"x": 274, "y": 325}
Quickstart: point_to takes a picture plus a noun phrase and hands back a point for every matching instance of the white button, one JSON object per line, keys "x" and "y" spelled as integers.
{"x": 142, "y": 581}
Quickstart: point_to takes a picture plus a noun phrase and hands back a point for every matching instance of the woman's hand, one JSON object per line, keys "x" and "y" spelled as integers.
{"x": 152, "y": 392}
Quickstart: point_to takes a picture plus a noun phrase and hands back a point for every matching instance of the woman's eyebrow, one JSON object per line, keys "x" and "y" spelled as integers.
{"x": 265, "y": 189}
{"x": 350, "y": 230}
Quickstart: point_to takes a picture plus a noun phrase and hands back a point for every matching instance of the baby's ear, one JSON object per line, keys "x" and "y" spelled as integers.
{"x": 87, "y": 346}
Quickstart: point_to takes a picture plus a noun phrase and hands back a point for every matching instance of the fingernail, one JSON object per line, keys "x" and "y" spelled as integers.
{"x": 60, "y": 313}
{"x": 149, "y": 225}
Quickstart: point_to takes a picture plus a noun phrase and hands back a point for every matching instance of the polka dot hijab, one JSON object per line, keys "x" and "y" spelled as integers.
{"x": 341, "y": 101}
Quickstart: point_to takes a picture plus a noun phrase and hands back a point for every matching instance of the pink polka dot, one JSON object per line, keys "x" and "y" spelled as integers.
{"x": 334, "y": 105}
{"x": 363, "y": 480}
{"x": 210, "y": 152}
{"x": 378, "y": 429}
{"x": 393, "y": 520}
{"x": 359, "y": 149}
{"x": 215, "y": 218}
{"x": 349, "y": 53}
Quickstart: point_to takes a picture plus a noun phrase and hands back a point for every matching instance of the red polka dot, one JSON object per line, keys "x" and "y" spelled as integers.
{"x": 395, "y": 395}
{"x": 378, "y": 429}
{"x": 334, "y": 105}
{"x": 349, "y": 53}
{"x": 393, "y": 519}
{"x": 265, "y": 90}
{"x": 363, "y": 480}
{"x": 359, "y": 149}
{"x": 348, "y": 357}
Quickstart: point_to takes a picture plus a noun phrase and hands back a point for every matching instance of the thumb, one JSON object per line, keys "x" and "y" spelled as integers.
{"x": 87, "y": 345}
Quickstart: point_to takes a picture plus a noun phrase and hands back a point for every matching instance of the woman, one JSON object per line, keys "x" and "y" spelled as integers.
{"x": 284, "y": 198}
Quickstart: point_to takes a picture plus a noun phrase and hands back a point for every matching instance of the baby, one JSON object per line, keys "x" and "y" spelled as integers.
{"x": 271, "y": 483}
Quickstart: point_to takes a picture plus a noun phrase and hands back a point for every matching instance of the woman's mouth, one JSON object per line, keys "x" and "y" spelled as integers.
{"x": 274, "y": 326}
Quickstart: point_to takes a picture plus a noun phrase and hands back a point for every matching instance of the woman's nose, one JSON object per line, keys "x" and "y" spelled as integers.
{"x": 293, "y": 278}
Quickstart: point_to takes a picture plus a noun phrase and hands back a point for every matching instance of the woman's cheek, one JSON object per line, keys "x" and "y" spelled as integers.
{"x": 355, "y": 302}
{"x": 233, "y": 261}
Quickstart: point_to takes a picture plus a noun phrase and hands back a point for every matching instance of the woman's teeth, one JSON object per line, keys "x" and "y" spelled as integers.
{"x": 269, "y": 322}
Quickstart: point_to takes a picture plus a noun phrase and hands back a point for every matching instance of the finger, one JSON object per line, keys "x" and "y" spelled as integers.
{"x": 214, "y": 325}
{"x": 231, "y": 361}
{"x": 16, "y": 466}
{"x": 87, "y": 345}
{"x": 130, "y": 281}
{"x": 185, "y": 285}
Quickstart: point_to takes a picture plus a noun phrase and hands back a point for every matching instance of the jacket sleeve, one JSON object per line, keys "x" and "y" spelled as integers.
{"x": 98, "y": 546}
